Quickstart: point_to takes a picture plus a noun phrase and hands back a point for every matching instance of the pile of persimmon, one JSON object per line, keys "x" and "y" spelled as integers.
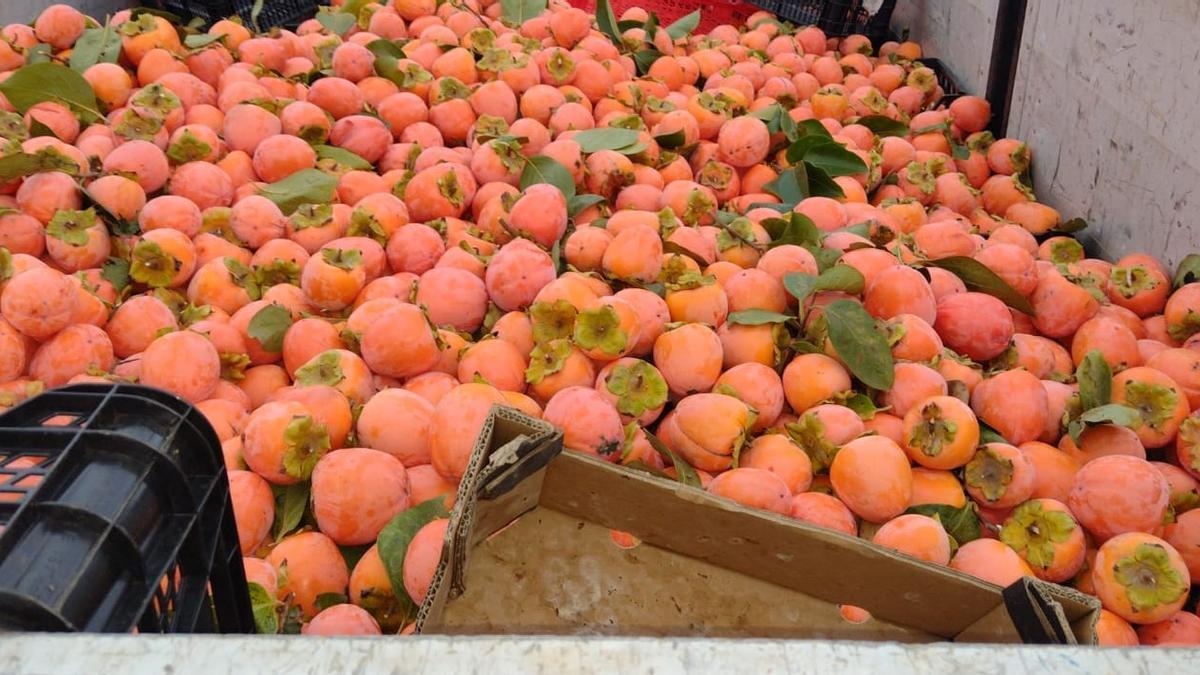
{"x": 762, "y": 261}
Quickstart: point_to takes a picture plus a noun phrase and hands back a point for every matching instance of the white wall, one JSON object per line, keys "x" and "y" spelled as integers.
{"x": 959, "y": 32}
{"x": 1107, "y": 94}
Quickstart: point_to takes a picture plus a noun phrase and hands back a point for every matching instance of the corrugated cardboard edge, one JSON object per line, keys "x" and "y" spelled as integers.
{"x": 508, "y": 464}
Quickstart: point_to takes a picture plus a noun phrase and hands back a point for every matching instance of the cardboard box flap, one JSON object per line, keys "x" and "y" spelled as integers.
{"x": 708, "y": 566}
{"x": 502, "y": 481}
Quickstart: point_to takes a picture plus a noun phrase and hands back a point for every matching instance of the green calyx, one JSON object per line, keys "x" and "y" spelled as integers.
{"x": 72, "y": 227}
{"x": 189, "y": 148}
{"x": 449, "y": 187}
{"x": 151, "y": 265}
{"x": 133, "y": 125}
{"x": 989, "y": 473}
{"x": 12, "y": 127}
{"x": 638, "y": 387}
{"x": 547, "y": 358}
{"x": 311, "y": 215}
{"x": 1189, "y": 326}
{"x": 243, "y": 276}
{"x": 509, "y": 153}
{"x": 490, "y": 127}
{"x": 1034, "y": 532}
{"x": 157, "y": 98}
{"x": 1148, "y": 577}
{"x": 552, "y": 320}
{"x": 808, "y": 432}
{"x": 1154, "y": 402}
{"x": 715, "y": 175}
{"x": 1189, "y": 431}
{"x": 699, "y": 206}
{"x": 234, "y": 365}
{"x": 599, "y": 329}
{"x": 325, "y": 369}
{"x": 933, "y": 433}
{"x": 307, "y": 441}
{"x": 922, "y": 175}
{"x": 449, "y": 88}
{"x": 343, "y": 259}
{"x": 1129, "y": 281}
{"x": 277, "y": 272}
{"x": 1066, "y": 251}
{"x": 363, "y": 223}
{"x": 560, "y": 65}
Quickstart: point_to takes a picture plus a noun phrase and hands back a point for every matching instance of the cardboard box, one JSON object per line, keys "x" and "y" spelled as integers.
{"x": 530, "y": 551}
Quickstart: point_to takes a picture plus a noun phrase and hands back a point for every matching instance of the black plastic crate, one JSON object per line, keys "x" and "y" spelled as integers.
{"x": 275, "y": 13}
{"x": 836, "y": 17}
{"x": 950, "y": 87}
{"x": 116, "y": 517}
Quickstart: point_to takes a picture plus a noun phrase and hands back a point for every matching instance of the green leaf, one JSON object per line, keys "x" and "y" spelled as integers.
{"x": 836, "y": 278}
{"x": 338, "y": 23}
{"x": 977, "y": 277}
{"x": 1094, "y": 376}
{"x": 1112, "y": 413}
{"x": 396, "y": 536}
{"x": 310, "y": 186}
{"x": 607, "y": 22}
{"x": 39, "y": 82}
{"x": 813, "y": 128}
{"x": 756, "y": 317}
{"x": 795, "y": 229}
{"x": 175, "y": 19}
{"x": 884, "y": 126}
{"x": 39, "y": 53}
{"x": 342, "y": 156}
{"x": 1188, "y": 270}
{"x": 834, "y": 159}
{"x": 1071, "y": 226}
{"x": 262, "y": 606}
{"x": 862, "y": 405}
{"x": 578, "y": 203}
{"x": 801, "y": 147}
{"x": 821, "y": 185}
{"x": 269, "y": 326}
{"x": 644, "y": 59}
{"x": 788, "y": 186}
{"x": 96, "y": 45}
{"x": 21, "y": 164}
{"x": 516, "y": 12}
{"x": 672, "y": 140}
{"x": 116, "y": 272}
{"x": 201, "y": 40}
{"x": 382, "y": 47}
{"x": 960, "y": 523}
{"x": 684, "y": 25}
{"x": 354, "y": 6}
{"x": 990, "y": 435}
{"x": 859, "y": 344}
{"x": 326, "y": 600}
{"x": 684, "y": 473}
{"x": 605, "y": 138}
{"x": 290, "y": 502}
{"x": 542, "y": 169}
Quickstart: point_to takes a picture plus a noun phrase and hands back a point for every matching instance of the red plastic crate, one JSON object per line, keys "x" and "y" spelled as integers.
{"x": 712, "y": 13}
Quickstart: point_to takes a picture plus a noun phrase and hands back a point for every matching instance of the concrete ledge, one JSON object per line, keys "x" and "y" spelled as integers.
{"x": 218, "y": 655}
